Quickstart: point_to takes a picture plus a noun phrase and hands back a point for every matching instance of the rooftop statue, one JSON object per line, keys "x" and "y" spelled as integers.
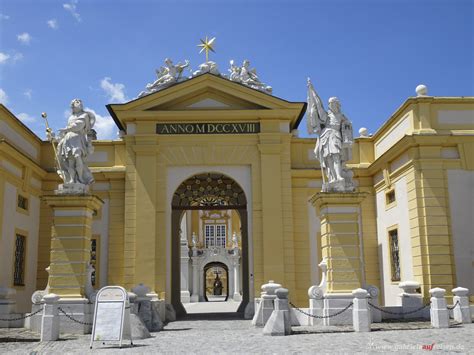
{"x": 334, "y": 145}
{"x": 247, "y": 76}
{"x": 74, "y": 145}
{"x": 207, "y": 67}
{"x": 167, "y": 75}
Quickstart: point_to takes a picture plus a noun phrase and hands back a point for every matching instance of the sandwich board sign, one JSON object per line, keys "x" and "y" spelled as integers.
{"x": 111, "y": 316}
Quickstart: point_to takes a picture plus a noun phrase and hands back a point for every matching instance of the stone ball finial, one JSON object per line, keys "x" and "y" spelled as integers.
{"x": 363, "y": 132}
{"x": 421, "y": 90}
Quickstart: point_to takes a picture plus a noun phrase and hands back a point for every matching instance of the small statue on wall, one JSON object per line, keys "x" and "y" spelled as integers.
{"x": 74, "y": 145}
{"x": 334, "y": 145}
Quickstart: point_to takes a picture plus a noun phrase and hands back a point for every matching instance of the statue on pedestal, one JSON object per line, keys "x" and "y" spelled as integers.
{"x": 334, "y": 145}
{"x": 74, "y": 145}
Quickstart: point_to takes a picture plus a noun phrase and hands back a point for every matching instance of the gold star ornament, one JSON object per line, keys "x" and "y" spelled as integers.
{"x": 207, "y": 45}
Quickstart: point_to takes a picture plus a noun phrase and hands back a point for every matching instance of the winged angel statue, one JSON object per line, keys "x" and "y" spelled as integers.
{"x": 334, "y": 145}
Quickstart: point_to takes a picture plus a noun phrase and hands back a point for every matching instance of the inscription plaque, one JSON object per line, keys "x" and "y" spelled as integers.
{"x": 208, "y": 128}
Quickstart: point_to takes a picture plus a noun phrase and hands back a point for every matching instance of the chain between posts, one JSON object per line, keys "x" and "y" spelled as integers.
{"x": 78, "y": 321}
{"x": 20, "y": 318}
{"x": 71, "y": 318}
{"x": 322, "y": 317}
{"x": 399, "y": 313}
{"x": 455, "y": 305}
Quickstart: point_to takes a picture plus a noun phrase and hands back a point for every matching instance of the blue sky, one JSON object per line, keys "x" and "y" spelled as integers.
{"x": 370, "y": 53}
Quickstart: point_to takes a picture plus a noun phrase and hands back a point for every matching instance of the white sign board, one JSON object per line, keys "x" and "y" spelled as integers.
{"x": 111, "y": 316}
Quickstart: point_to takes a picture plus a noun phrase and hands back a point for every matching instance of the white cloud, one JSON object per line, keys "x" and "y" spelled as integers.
{"x": 4, "y": 17}
{"x": 104, "y": 126}
{"x": 115, "y": 92}
{"x": 26, "y": 118}
{"x": 53, "y": 23}
{"x": 4, "y": 57}
{"x": 24, "y": 38}
{"x": 71, "y": 7}
{"x": 3, "y": 97}
{"x": 28, "y": 93}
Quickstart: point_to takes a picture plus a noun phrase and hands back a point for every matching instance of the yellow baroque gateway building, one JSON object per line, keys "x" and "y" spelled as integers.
{"x": 210, "y": 192}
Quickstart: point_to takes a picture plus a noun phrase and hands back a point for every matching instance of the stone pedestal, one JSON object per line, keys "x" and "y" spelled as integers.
{"x": 70, "y": 243}
{"x": 341, "y": 235}
{"x": 439, "y": 313}
{"x": 360, "y": 311}
{"x": 50, "y": 321}
{"x": 279, "y": 322}
{"x": 266, "y": 305}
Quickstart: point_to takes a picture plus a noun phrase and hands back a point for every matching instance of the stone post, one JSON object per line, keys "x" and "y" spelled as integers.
{"x": 410, "y": 299}
{"x": 50, "y": 321}
{"x": 237, "y": 296}
{"x": 360, "y": 311}
{"x": 266, "y": 305}
{"x": 195, "y": 291}
{"x": 279, "y": 322}
{"x": 341, "y": 245}
{"x": 462, "y": 312}
{"x": 439, "y": 313}
{"x": 185, "y": 295}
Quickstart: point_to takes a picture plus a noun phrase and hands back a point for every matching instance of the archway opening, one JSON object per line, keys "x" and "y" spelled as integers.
{"x": 216, "y": 276}
{"x": 209, "y": 234}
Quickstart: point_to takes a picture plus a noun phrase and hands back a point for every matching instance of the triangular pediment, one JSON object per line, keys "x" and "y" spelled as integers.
{"x": 207, "y": 93}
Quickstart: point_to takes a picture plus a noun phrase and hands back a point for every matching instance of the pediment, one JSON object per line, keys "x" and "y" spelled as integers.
{"x": 207, "y": 93}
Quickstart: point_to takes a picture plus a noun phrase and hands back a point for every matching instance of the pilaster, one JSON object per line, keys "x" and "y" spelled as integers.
{"x": 272, "y": 214}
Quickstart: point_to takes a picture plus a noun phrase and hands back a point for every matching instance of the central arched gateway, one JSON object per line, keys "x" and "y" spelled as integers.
{"x": 207, "y": 191}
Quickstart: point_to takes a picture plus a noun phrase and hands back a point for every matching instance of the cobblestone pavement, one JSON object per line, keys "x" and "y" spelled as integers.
{"x": 239, "y": 337}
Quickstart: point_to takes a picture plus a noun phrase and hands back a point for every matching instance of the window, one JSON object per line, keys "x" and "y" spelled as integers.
{"x": 220, "y": 235}
{"x": 22, "y": 202}
{"x": 210, "y": 235}
{"x": 390, "y": 197}
{"x": 394, "y": 254}
{"x": 215, "y": 235}
{"x": 19, "y": 259}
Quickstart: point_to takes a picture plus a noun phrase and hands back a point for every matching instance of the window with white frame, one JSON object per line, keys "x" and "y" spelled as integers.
{"x": 210, "y": 235}
{"x": 215, "y": 235}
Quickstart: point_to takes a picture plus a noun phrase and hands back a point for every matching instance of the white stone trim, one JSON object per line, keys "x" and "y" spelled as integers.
{"x": 397, "y": 132}
{"x": 98, "y": 157}
{"x": 450, "y": 153}
{"x": 456, "y": 117}
{"x": 72, "y": 213}
{"x": 17, "y": 140}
